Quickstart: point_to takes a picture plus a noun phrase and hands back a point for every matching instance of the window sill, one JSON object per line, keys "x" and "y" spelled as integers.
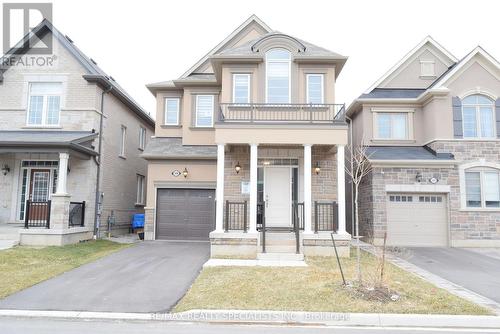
{"x": 480, "y": 209}
{"x": 123, "y": 157}
{"x": 166, "y": 126}
{"x": 42, "y": 127}
{"x": 428, "y": 77}
{"x": 201, "y": 128}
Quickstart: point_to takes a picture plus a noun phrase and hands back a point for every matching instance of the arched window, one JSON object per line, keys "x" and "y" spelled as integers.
{"x": 478, "y": 117}
{"x": 482, "y": 187}
{"x": 278, "y": 76}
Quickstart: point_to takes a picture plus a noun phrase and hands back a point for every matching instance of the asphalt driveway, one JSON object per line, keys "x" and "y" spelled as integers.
{"x": 475, "y": 269}
{"x": 147, "y": 277}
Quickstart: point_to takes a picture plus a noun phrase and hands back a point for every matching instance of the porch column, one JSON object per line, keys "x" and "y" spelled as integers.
{"x": 62, "y": 173}
{"x": 219, "y": 195}
{"x": 307, "y": 189}
{"x": 253, "y": 188}
{"x": 341, "y": 188}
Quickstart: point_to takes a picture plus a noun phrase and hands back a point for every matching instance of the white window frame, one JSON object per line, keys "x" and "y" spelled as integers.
{"x": 289, "y": 61}
{"x": 140, "y": 188}
{"x": 142, "y": 138}
{"x": 212, "y": 97}
{"x": 322, "y": 76}
{"x": 409, "y": 123}
{"x": 477, "y": 166}
{"x": 123, "y": 141}
{"x": 424, "y": 64}
{"x": 247, "y": 75}
{"x": 477, "y": 108}
{"x": 45, "y": 99}
{"x": 165, "y": 122}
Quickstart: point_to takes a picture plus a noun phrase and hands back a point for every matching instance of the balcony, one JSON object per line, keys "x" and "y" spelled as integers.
{"x": 282, "y": 113}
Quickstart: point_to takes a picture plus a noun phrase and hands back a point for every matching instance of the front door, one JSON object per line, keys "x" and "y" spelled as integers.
{"x": 39, "y": 192}
{"x": 277, "y": 189}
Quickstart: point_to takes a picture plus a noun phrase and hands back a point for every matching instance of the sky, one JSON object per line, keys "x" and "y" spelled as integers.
{"x": 140, "y": 42}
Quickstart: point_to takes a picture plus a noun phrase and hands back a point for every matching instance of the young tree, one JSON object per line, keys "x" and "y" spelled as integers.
{"x": 357, "y": 170}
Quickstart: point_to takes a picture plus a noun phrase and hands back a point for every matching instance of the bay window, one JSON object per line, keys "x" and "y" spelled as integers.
{"x": 44, "y": 103}
{"x": 478, "y": 117}
{"x": 278, "y": 63}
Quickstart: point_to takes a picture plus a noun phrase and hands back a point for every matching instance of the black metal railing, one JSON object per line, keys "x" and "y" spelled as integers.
{"x": 37, "y": 214}
{"x": 236, "y": 216}
{"x": 298, "y": 214}
{"x": 76, "y": 214}
{"x": 325, "y": 216}
{"x": 260, "y": 214}
{"x": 284, "y": 112}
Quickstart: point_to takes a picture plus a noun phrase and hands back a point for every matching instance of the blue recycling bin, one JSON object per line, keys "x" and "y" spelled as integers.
{"x": 137, "y": 220}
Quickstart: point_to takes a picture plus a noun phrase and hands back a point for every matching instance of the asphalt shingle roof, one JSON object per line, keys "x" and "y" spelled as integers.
{"x": 393, "y": 93}
{"x": 172, "y": 148}
{"x": 405, "y": 153}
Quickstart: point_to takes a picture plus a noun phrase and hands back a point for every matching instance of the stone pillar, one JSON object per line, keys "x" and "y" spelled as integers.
{"x": 149, "y": 223}
{"x": 307, "y": 189}
{"x": 59, "y": 211}
{"x": 253, "y": 188}
{"x": 341, "y": 188}
{"x": 219, "y": 195}
{"x": 62, "y": 174}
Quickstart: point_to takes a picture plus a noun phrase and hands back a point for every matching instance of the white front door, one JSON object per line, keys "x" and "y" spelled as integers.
{"x": 277, "y": 194}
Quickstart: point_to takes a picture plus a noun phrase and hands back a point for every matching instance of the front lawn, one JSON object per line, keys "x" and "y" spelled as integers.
{"x": 316, "y": 288}
{"x": 22, "y": 267}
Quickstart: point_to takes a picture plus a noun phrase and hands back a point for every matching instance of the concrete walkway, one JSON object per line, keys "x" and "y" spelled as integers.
{"x": 147, "y": 277}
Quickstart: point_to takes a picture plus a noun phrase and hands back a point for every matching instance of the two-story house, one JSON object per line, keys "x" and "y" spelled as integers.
{"x": 70, "y": 145}
{"x": 432, "y": 127}
{"x": 249, "y": 148}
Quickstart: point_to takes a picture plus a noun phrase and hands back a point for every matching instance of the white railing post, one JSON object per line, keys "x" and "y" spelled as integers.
{"x": 219, "y": 196}
{"x": 307, "y": 189}
{"x": 253, "y": 188}
{"x": 62, "y": 174}
{"x": 341, "y": 188}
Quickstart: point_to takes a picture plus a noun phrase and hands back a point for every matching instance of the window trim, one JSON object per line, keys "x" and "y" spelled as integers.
{"x": 177, "y": 111}
{"x": 289, "y": 61}
{"x": 322, "y": 75}
{"x": 479, "y": 166}
{"x": 123, "y": 141}
{"x": 196, "y": 110}
{"x": 478, "y": 117}
{"x": 142, "y": 138}
{"x": 409, "y": 123}
{"x": 247, "y": 75}
{"x": 140, "y": 198}
{"x": 44, "y": 116}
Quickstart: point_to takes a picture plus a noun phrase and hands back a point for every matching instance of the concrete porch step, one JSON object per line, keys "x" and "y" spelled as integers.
{"x": 272, "y": 248}
{"x": 6, "y": 244}
{"x": 280, "y": 256}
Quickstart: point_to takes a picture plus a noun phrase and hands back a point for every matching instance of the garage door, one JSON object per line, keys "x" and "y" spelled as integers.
{"x": 417, "y": 220}
{"x": 185, "y": 214}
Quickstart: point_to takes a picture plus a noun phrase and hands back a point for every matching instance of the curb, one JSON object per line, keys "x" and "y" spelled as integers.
{"x": 280, "y": 318}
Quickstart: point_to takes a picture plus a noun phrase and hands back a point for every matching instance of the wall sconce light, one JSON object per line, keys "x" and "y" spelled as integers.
{"x": 317, "y": 169}
{"x": 5, "y": 169}
{"x": 185, "y": 172}
{"x": 237, "y": 168}
{"x": 418, "y": 177}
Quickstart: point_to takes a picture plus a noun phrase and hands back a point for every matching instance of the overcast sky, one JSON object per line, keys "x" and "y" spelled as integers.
{"x": 139, "y": 42}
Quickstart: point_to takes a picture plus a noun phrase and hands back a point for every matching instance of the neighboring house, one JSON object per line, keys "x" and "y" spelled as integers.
{"x": 50, "y": 126}
{"x": 432, "y": 124}
{"x": 248, "y": 137}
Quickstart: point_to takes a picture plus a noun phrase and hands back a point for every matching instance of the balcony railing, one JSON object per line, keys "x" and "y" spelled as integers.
{"x": 281, "y": 113}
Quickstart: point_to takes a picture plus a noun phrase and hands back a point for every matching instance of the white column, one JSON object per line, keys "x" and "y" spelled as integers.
{"x": 341, "y": 188}
{"x": 219, "y": 196}
{"x": 307, "y": 189}
{"x": 253, "y": 188}
{"x": 62, "y": 174}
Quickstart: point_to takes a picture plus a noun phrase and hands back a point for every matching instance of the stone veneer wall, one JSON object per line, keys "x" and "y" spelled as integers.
{"x": 365, "y": 207}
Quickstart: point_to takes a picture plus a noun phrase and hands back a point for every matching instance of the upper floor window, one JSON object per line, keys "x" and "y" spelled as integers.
{"x": 44, "y": 103}
{"x": 140, "y": 197}
{"x": 241, "y": 88}
{"x": 278, "y": 63}
{"x": 392, "y": 125}
{"x": 478, "y": 117}
{"x": 171, "y": 111}
{"x": 142, "y": 138}
{"x": 482, "y": 188}
{"x": 204, "y": 110}
{"x": 315, "y": 88}
{"x": 123, "y": 140}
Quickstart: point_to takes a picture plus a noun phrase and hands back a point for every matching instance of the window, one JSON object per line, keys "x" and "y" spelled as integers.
{"x": 171, "y": 111}
{"x": 478, "y": 117}
{"x": 123, "y": 139}
{"x": 278, "y": 76}
{"x": 204, "y": 110}
{"x": 315, "y": 88}
{"x": 140, "y": 189}
{"x": 392, "y": 125}
{"x": 430, "y": 199}
{"x": 241, "y": 88}
{"x": 427, "y": 68}
{"x": 482, "y": 188}
{"x": 142, "y": 138}
{"x": 44, "y": 103}
{"x": 401, "y": 198}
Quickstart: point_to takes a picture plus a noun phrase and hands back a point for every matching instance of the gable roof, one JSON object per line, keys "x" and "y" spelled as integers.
{"x": 94, "y": 72}
{"x": 426, "y": 40}
{"x": 252, "y": 19}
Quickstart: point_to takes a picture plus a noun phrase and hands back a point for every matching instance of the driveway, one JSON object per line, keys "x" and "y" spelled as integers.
{"x": 475, "y": 269}
{"x": 147, "y": 277}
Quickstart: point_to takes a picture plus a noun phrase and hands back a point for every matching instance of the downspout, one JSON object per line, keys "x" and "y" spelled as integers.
{"x": 352, "y": 167}
{"x": 98, "y": 176}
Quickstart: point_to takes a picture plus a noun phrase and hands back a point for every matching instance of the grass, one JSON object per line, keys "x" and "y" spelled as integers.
{"x": 317, "y": 288}
{"x": 22, "y": 267}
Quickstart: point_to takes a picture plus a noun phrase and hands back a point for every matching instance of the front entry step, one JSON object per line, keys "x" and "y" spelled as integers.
{"x": 280, "y": 256}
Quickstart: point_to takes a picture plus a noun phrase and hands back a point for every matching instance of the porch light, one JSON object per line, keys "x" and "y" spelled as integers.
{"x": 185, "y": 172}
{"x": 317, "y": 169}
{"x": 237, "y": 168}
{"x": 5, "y": 169}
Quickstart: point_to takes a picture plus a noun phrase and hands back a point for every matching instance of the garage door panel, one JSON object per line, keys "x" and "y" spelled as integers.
{"x": 185, "y": 214}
